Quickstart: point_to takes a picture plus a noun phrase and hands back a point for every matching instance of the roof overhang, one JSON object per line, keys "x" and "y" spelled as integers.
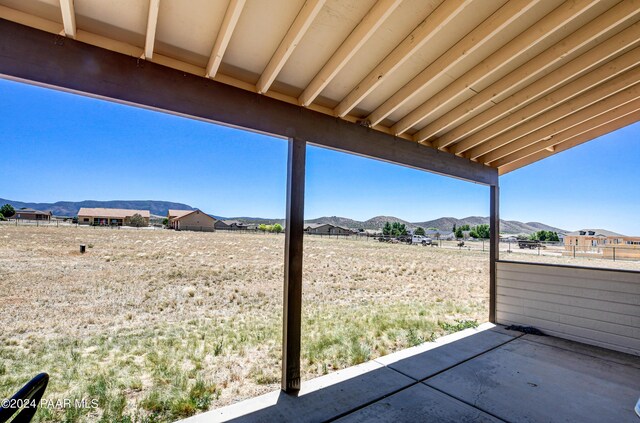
{"x": 466, "y": 88}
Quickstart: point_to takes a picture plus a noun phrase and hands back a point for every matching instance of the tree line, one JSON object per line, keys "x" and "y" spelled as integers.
{"x": 544, "y": 236}
{"x": 399, "y": 229}
{"x": 394, "y": 229}
{"x": 277, "y": 228}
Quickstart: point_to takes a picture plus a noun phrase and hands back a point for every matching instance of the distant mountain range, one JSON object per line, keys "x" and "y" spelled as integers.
{"x": 443, "y": 223}
{"x": 160, "y": 208}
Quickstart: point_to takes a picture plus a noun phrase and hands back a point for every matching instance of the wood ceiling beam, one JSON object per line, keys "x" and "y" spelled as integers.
{"x": 152, "y": 23}
{"x": 493, "y": 64}
{"x": 33, "y": 21}
{"x": 482, "y": 141}
{"x": 427, "y": 30}
{"x": 68, "y": 18}
{"x": 612, "y": 90}
{"x": 358, "y": 37}
{"x": 478, "y": 37}
{"x": 540, "y": 65}
{"x": 569, "y": 121}
{"x": 229, "y": 22}
{"x": 580, "y": 139}
{"x": 548, "y": 143}
{"x": 300, "y": 25}
{"x": 70, "y": 66}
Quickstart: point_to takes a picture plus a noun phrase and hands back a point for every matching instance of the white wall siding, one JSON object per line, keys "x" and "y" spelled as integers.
{"x": 595, "y": 306}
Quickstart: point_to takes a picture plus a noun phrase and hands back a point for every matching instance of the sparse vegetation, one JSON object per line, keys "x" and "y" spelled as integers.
{"x": 458, "y": 325}
{"x": 277, "y": 228}
{"x": 159, "y": 325}
{"x": 7, "y": 210}
{"x": 544, "y": 236}
{"x": 394, "y": 229}
{"x": 137, "y": 221}
{"x": 480, "y": 232}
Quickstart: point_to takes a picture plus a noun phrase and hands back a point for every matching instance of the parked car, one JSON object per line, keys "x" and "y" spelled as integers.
{"x": 419, "y": 239}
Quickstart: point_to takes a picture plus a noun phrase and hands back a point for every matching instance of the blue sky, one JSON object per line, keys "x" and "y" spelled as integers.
{"x": 79, "y": 148}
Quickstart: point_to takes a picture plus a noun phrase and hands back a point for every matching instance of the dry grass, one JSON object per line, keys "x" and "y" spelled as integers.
{"x": 158, "y": 325}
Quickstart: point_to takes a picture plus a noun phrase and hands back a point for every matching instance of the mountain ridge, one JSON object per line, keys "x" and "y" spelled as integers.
{"x": 160, "y": 208}
{"x": 442, "y": 224}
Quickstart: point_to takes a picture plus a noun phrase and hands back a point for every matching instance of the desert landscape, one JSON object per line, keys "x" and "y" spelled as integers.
{"x": 158, "y": 325}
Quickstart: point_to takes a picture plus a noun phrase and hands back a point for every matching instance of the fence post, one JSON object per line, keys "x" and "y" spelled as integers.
{"x": 574, "y": 251}
{"x": 614, "y": 253}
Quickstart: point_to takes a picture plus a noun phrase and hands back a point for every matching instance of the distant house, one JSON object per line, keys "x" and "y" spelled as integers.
{"x": 508, "y": 238}
{"x": 326, "y": 229}
{"x": 110, "y": 217}
{"x": 31, "y": 214}
{"x": 370, "y": 232}
{"x": 602, "y": 242}
{"x": 230, "y": 225}
{"x": 593, "y": 238}
{"x": 434, "y": 233}
{"x": 190, "y": 220}
{"x": 172, "y": 214}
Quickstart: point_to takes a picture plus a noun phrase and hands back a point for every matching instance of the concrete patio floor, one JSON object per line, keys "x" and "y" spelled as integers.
{"x": 487, "y": 374}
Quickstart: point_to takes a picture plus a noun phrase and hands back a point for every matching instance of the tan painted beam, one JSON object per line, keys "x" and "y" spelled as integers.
{"x": 427, "y": 30}
{"x": 581, "y": 139}
{"x": 548, "y": 143}
{"x": 68, "y": 18}
{"x": 300, "y": 25}
{"x": 33, "y": 21}
{"x": 358, "y": 37}
{"x": 493, "y": 64}
{"x": 478, "y": 37}
{"x": 540, "y": 65}
{"x": 529, "y": 130}
{"x": 231, "y": 17}
{"x": 481, "y": 140}
{"x": 152, "y": 23}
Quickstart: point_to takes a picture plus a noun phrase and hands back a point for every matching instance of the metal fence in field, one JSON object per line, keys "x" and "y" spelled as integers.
{"x": 613, "y": 252}
{"x": 60, "y": 223}
{"x": 27, "y": 222}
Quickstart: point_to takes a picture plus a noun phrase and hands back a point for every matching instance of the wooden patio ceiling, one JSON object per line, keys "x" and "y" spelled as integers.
{"x": 501, "y": 83}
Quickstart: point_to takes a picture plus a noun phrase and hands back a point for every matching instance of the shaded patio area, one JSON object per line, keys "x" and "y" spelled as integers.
{"x": 485, "y": 374}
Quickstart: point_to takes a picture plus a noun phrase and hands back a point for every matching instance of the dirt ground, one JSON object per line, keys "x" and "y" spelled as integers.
{"x": 158, "y": 325}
